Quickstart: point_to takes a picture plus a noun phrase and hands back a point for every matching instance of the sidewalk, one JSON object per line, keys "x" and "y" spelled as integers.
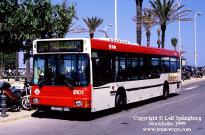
{"x": 12, "y": 116}
{"x": 192, "y": 80}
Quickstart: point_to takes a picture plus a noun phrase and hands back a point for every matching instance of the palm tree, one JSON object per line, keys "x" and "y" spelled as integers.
{"x": 139, "y": 20}
{"x": 167, "y": 12}
{"x": 174, "y": 42}
{"x": 92, "y": 24}
{"x": 148, "y": 21}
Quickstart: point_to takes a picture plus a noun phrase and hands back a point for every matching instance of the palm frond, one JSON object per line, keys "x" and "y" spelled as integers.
{"x": 92, "y": 23}
{"x": 167, "y": 11}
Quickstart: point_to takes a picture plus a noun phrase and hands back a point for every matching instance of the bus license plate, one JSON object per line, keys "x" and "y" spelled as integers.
{"x": 66, "y": 109}
{"x": 60, "y": 108}
{"x": 56, "y": 108}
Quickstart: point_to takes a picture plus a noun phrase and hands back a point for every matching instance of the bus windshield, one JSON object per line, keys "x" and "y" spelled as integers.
{"x": 62, "y": 69}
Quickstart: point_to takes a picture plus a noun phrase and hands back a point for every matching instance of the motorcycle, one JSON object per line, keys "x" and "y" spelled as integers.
{"x": 13, "y": 96}
{"x": 186, "y": 73}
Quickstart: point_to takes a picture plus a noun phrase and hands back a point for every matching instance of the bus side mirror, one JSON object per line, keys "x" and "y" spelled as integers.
{"x": 40, "y": 82}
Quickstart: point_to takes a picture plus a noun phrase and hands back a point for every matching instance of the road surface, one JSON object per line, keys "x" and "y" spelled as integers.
{"x": 182, "y": 114}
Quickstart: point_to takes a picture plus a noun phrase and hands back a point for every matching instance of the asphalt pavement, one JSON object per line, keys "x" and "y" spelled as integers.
{"x": 182, "y": 114}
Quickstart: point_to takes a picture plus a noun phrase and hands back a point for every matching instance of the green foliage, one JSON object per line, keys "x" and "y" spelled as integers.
{"x": 9, "y": 60}
{"x": 92, "y": 24}
{"x": 167, "y": 11}
{"x": 8, "y": 38}
{"x": 63, "y": 19}
{"x": 174, "y": 42}
{"x": 45, "y": 20}
{"x": 31, "y": 19}
{"x": 22, "y": 20}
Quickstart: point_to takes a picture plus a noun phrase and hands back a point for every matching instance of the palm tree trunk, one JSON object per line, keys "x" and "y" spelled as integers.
{"x": 91, "y": 34}
{"x": 139, "y": 20}
{"x": 163, "y": 28}
{"x": 17, "y": 67}
{"x": 158, "y": 40}
{"x": 148, "y": 33}
{"x": 158, "y": 43}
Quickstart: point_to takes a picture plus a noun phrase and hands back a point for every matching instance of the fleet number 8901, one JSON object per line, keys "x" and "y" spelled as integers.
{"x": 78, "y": 92}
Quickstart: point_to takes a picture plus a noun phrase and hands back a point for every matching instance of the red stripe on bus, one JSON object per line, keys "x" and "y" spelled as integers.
{"x": 124, "y": 47}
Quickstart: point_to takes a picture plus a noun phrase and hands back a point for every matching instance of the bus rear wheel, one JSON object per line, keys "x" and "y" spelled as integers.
{"x": 120, "y": 101}
{"x": 165, "y": 91}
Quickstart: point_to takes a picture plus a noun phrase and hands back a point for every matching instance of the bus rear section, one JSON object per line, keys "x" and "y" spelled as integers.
{"x": 61, "y": 81}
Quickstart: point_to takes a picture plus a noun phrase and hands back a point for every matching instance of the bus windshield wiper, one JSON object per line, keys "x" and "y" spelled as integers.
{"x": 68, "y": 84}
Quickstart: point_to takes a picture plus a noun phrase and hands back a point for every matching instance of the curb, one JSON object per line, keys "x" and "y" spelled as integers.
{"x": 192, "y": 80}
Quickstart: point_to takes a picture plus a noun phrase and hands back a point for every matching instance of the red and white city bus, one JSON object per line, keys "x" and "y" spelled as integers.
{"x": 97, "y": 74}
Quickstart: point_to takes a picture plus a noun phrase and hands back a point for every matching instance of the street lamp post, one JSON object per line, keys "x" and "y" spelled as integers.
{"x": 195, "y": 51}
{"x": 105, "y": 30}
{"x": 180, "y": 47}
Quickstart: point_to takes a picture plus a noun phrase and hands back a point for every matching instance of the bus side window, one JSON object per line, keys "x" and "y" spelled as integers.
{"x": 146, "y": 70}
{"x": 114, "y": 68}
{"x": 122, "y": 69}
{"x": 101, "y": 68}
{"x": 96, "y": 72}
{"x": 155, "y": 68}
{"x": 173, "y": 65}
{"x": 165, "y": 65}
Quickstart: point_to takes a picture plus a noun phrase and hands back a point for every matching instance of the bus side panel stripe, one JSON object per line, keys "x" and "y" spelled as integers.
{"x": 145, "y": 87}
{"x": 101, "y": 87}
{"x": 151, "y": 86}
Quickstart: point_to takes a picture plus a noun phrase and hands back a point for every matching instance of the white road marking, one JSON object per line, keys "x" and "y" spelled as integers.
{"x": 190, "y": 88}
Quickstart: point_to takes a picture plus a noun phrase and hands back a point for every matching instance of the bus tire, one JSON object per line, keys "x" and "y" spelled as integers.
{"x": 165, "y": 90}
{"x": 120, "y": 100}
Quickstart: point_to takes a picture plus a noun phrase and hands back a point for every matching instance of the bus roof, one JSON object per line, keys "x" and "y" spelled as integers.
{"x": 132, "y": 48}
{"x": 117, "y": 45}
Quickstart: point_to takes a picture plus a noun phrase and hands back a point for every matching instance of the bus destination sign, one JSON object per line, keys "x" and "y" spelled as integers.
{"x": 60, "y": 46}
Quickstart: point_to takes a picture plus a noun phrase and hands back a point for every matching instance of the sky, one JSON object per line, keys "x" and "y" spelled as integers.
{"x": 127, "y": 27}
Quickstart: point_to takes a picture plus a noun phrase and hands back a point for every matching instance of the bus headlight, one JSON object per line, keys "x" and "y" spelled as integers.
{"x": 78, "y": 103}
